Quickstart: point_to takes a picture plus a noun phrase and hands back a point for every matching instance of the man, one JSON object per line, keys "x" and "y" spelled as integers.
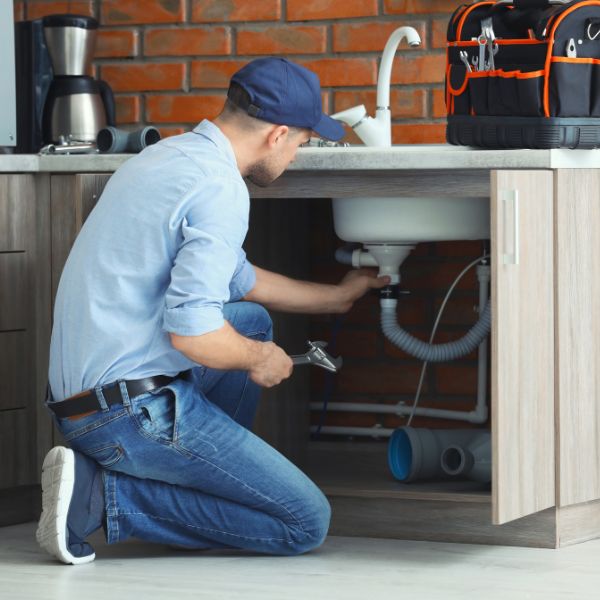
{"x": 159, "y": 319}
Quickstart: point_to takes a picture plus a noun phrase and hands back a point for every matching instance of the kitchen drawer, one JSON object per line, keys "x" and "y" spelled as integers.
{"x": 16, "y": 212}
{"x": 15, "y": 448}
{"x": 15, "y": 370}
{"x": 15, "y": 291}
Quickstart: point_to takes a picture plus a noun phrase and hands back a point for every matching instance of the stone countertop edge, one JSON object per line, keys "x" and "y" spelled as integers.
{"x": 354, "y": 158}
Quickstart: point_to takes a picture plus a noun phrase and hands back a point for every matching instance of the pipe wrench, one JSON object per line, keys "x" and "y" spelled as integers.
{"x": 317, "y": 356}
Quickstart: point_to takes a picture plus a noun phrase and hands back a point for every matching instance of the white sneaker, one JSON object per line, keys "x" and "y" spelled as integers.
{"x": 54, "y": 534}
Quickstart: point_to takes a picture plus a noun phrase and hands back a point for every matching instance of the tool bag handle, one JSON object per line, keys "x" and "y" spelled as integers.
{"x": 527, "y": 4}
{"x": 529, "y": 14}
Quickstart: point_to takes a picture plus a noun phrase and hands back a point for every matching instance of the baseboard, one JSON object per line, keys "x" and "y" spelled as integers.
{"x": 578, "y": 523}
{"x": 438, "y": 521}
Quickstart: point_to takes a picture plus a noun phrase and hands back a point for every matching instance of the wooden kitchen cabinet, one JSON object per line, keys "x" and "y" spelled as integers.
{"x": 545, "y": 410}
{"x": 539, "y": 432}
{"x": 24, "y": 330}
{"x": 33, "y": 247}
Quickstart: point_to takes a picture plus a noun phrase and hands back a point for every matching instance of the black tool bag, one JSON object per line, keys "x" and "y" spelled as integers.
{"x": 524, "y": 74}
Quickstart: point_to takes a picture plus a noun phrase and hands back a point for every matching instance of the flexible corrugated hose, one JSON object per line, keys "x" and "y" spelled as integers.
{"x": 435, "y": 352}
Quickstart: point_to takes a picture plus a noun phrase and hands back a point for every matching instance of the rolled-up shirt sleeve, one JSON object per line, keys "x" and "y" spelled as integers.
{"x": 244, "y": 278}
{"x": 210, "y": 266}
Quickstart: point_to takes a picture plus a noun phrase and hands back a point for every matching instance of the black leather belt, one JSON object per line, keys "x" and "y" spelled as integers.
{"x": 88, "y": 402}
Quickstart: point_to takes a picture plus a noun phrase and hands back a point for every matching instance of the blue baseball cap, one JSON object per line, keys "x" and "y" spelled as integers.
{"x": 285, "y": 93}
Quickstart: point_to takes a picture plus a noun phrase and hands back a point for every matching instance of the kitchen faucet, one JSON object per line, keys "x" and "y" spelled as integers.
{"x": 378, "y": 131}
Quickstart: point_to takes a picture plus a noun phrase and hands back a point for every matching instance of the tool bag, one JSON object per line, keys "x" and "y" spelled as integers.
{"x": 524, "y": 74}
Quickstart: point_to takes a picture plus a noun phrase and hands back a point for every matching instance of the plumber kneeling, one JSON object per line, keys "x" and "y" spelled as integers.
{"x": 162, "y": 342}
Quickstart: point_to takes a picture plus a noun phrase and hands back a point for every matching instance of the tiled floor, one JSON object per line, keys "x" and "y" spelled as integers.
{"x": 344, "y": 568}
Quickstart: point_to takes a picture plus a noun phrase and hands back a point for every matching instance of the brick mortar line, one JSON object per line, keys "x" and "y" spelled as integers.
{"x": 218, "y": 92}
{"x": 151, "y": 60}
{"x": 367, "y": 54}
{"x": 199, "y": 93}
{"x": 182, "y": 26}
{"x": 103, "y": 29}
{"x": 136, "y": 60}
{"x": 142, "y": 37}
{"x": 233, "y": 38}
{"x": 376, "y": 19}
{"x": 187, "y": 76}
{"x": 250, "y": 26}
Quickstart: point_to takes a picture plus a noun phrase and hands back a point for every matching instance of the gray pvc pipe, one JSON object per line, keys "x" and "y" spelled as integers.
{"x": 472, "y": 460}
{"x": 415, "y": 453}
{"x": 435, "y": 352}
{"x": 113, "y": 140}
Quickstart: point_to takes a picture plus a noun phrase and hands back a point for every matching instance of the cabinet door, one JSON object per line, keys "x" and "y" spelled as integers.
{"x": 578, "y": 334}
{"x": 522, "y": 344}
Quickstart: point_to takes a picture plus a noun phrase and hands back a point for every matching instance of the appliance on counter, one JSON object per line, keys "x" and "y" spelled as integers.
{"x": 8, "y": 124}
{"x": 33, "y": 77}
{"x": 59, "y": 103}
{"x": 77, "y": 106}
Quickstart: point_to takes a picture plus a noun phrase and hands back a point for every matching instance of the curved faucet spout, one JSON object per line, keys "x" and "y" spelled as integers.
{"x": 385, "y": 69}
{"x": 378, "y": 131}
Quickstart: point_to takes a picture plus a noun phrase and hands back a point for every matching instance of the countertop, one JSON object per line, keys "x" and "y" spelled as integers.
{"x": 354, "y": 158}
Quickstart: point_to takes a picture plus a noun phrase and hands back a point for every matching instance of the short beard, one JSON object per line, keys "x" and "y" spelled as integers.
{"x": 260, "y": 174}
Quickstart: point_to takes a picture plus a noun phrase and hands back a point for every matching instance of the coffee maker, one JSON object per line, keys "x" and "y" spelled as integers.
{"x": 58, "y": 103}
{"x": 77, "y": 106}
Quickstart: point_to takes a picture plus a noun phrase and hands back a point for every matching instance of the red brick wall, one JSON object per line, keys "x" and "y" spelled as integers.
{"x": 169, "y": 61}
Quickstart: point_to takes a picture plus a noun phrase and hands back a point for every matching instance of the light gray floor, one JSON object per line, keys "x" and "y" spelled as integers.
{"x": 345, "y": 568}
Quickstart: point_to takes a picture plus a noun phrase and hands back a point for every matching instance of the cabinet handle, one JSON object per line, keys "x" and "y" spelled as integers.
{"x": 511, "y": 196}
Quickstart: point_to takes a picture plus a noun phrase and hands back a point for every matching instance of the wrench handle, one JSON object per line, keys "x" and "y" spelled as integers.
{"x": 300, "y": 359}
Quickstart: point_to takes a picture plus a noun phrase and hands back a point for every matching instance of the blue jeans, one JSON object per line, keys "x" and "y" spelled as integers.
{"x": 181, "y": 466}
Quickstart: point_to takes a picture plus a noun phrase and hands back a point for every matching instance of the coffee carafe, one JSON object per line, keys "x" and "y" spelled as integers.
{"x": 77, "y": 106}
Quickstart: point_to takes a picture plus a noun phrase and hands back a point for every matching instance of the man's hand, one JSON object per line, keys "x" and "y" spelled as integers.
{"x": 272, "y": 367}
{"x": 277, "y": 292}
{"x": 356, "y": 284}
{"x": 266, "y": 363}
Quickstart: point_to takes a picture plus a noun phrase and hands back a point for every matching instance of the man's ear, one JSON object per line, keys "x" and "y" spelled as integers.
{"x": 278, "y": 134}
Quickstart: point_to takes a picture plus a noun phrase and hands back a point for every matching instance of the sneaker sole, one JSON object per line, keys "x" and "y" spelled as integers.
{"x": 58, "y": 479}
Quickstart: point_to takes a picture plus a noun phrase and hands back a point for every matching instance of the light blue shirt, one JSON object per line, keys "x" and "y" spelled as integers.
{"x": 160, "y": 252}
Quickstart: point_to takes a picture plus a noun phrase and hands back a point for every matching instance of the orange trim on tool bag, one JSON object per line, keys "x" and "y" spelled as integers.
{"x": 507, "y": 74}
{"x": 495, "y": 73}
{"x": 499, "y": 42}
{"x": 566, "y": 59}
{"x": 549, "y": 23}
{"x": 447, "y": 79}
{"x": 462, "y": 88}
{"x": 458, "y": 13}
{"x": 465, "y": 14}
{"x": 549, "y": 56}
